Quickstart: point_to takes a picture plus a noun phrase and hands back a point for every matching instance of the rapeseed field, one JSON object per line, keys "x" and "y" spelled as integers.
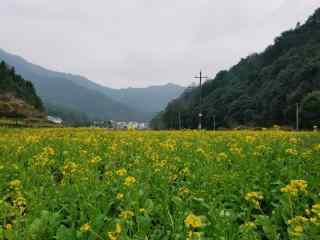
{"x": 96, "y": 184}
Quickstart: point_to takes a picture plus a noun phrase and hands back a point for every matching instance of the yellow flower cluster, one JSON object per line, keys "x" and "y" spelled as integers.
{"x": 250, "y": 139}
{"x": 8, "y": 226}
{"x": 236, "y": 150}
{"x": 49, "y": 151}
{"x": 121, "y": 172}
{"x": 85, "y": 228}
{"x": 17, "y": 199}
{"x": 125, "y": 215}
{"x": 120, "y": 196}
{"x": 95, "y": 160}
{"x": 114, "y": 235}
{"x": 297, "y": 225}
{"x": 69, "y": 168}
{"x": 317, "y": 148}
{"x": 222, "y": 156}
{"x": 20, "y": 203}
{"x": 316, "y": 210}
{"x": 295, "y": 187}
{"x": 15, "y": 184}
{"x": 193, "y": 221}
{"x": 307, "y": 155}
{"x": 314, "y": 214}
{"x": 248, "y": 226}
{"x": 129, "y": 181}
{"x": 42, "y": 159}
{"x": 254, "y": 197}
{"x": 292, "y": 152}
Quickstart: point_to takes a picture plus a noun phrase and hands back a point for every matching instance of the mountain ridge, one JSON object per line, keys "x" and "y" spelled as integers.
{"x": 87, "y": 97}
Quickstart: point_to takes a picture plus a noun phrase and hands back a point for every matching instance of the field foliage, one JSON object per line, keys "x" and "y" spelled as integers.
{"x": 95, "y": 184}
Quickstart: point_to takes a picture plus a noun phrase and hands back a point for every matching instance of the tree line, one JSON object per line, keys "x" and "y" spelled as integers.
{"x": 261, "y": 90}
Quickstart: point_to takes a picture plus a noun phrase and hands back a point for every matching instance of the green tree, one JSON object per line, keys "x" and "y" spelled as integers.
{"x": 311, "y": 109}
{"x": 261, "y": 90}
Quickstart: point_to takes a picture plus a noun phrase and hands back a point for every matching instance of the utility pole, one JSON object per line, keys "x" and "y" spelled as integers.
{"x": 200, "y": 77}
{"x": 297, "y": 116}
{"x": 214, "y": 122}
{"x": 179, "y": 118}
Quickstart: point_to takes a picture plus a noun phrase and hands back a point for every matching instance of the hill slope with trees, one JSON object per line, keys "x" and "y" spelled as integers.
{"x": 10, "y": 82}
{"x": 79, "y": 99}
{"x": 18, "y": 98}
{"x": 261, "y": 90}
{"x": 58, "y": 90}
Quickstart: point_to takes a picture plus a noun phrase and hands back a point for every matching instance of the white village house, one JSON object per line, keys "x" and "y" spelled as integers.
{"x": 55, "y": 120}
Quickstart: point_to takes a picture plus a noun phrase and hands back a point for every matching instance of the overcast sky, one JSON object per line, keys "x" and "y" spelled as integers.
{"x": 122, "y": 43}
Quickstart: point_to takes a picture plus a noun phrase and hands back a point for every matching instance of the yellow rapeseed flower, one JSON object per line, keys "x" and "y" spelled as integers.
{"x": 222, "y": 156}
{"x": 120, "y": 196}
{"x": 129, "y": 181}
{"x": 8, "y": 226}
{"x": 317, "y": 147}
{"x": 50, "y": 151}
{"x": 15, "y": 184}
{"x": 254, "y": 197}
{"x": 297, "y": 231}
{"x": 248, "y": 225}
{"x": 295, "y": 187}
{"x": 297, "y": 225}
{"x": 114, "y": 235}
{"x": 85, "y": 228}
{"x": 95, "y": 160}
{"x": 193, "y": 221}
{"x": 126, "y": 215}
{"x": 69, "y": 168}
{"x": 121, "y": 172}
{"x": 316, "y": 209}
{"x": 142, "y": 210}
{"x": 291, "y": 151}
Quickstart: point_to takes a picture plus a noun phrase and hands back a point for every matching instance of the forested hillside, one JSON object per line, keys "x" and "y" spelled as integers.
{"x": 261, "y": 90}
{"x": 11, "y": 83}
{"x": 18, "y": 98}
{"x": 77, "y": 99}
{"x": 60, "y": 93}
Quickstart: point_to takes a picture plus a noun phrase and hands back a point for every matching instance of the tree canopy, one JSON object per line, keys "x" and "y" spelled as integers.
{"x": 261, "y": 90}
{"x": 12, "y": 83}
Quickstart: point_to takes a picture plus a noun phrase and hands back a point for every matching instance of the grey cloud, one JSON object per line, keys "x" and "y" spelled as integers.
{"x": 122, "y": 43}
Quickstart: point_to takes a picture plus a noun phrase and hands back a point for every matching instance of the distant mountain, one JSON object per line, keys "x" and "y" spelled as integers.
{"x": 149, "y": 100}
{"x": 261, "y": 90}
{"x": 62, "y": 92}
{"x": 18, "y": 98}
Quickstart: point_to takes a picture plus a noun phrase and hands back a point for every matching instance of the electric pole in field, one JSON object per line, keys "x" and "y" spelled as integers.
{"x": 297, "y": 116}
{"x": 200, "y": 77}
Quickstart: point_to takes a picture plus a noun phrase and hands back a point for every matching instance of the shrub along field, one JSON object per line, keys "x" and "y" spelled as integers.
{"x": 97, "y": 184}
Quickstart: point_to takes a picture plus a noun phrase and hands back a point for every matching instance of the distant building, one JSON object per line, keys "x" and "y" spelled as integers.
{"x": 55, "y": 120}
{"x": 128, "y": 125}
{"x": 143, "y": 126}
